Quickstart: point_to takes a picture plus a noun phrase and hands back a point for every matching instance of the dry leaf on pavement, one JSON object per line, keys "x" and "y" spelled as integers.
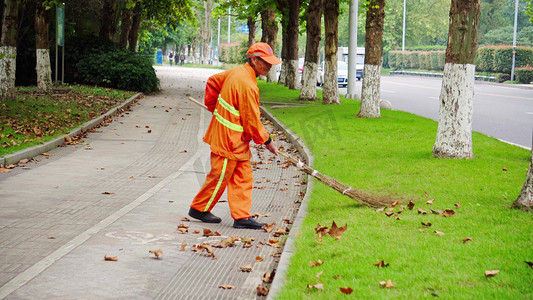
{"x": 157, "y": 252}
{"x": 247, "y": 268}
{"x": 262, "y": 290}
{"x": 268, "y": 228}
{"x": 227, "y": 287}
{"x": 208, "y": 232}
{"x": 110, "y": 258}
{"x": 183, "y": 245}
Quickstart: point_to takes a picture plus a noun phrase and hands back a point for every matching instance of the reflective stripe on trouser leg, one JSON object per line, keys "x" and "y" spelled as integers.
{"x": 240, "y": 187}
{"x": 219, "y": 183}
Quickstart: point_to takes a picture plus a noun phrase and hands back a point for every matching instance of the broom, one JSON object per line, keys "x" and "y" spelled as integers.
{"x": 356, "y": 194}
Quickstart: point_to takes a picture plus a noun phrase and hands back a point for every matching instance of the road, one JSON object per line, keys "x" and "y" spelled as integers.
{"x": 501, "y": 111}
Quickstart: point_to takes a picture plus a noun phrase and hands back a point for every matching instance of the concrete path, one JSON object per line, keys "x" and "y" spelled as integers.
{"x": 123, "y": 193}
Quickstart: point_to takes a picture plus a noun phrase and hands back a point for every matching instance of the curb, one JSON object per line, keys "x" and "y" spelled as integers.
{"x": 289, "y": 249}
{"x": 36, "y": 150}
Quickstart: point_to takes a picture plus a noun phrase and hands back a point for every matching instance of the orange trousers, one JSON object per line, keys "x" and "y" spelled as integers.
{"x": 237, "y": 176}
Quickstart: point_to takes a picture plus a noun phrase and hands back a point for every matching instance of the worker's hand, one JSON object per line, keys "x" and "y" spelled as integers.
{"x": 272, "y": 147}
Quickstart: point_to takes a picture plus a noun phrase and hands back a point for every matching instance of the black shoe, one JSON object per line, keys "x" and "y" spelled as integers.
{"x": 206, "y": 217}
{"x": 249, "y": 223}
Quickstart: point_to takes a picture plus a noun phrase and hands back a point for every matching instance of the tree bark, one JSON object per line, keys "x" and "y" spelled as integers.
{"x": 292, "y": 49}
{"x": 125, "y": 27}
{"x": 250, "y": 21}
{"x": 270, "y": 33}
{"x": 525, "y": 198}
{"x": 135, "y": 25}
{"x": 370, "y": 94}
{"x": 330, "y": 94}
{"x": 107, "y": 26}
{"x": 8, "y": 49}
{"x": 454, "y": 132}
{"x": 43, "y": 68}
{"x": 283, "y": 8}
{"x": 314, "y": 22}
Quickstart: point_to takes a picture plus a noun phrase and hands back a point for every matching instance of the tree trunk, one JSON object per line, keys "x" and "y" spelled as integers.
{"x": 454, "y": 132}
{"x": 292, "y": 50}
{"x": 330, "y": 91}
{"x": 251, "y": 31}
{"x": 270, "y": 33}
{"x": 370, "y": 94}
{"x": 42, "y": 48}
{"x": 314, "y": 22}
{"x": 107, "y": 26}
{"x": 8, "y": 49}
{"x": 525, "y": 199}
{"x": 125, "y": 27}
{"x": 135, "y": 24}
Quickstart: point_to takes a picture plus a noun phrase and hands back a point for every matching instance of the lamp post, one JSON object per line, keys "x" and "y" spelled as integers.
{"x": 403, "y": 35}
{"x": 352, "y": 49}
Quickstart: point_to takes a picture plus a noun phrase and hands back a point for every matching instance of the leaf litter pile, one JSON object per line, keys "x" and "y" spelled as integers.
{"x": 393, "y": 211}
{"x": 34, "y": 115}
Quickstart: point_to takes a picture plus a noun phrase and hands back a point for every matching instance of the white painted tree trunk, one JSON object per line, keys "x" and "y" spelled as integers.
{"x": 330, "y": 90}
{"x": 8, "y": 65}
{"x": 283, "y": 74}
{"x": 44, "y": 70}
{"x": 308, "y": 91}
{"x": 273, "y": 74}
{"x": 525, "y": 199}
{"x": 292, "y": 75}
{"x": 370, "y": 95}
{"x": 454, "y": 133}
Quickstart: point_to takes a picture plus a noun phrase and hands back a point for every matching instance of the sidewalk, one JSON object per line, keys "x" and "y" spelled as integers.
{"x": 123, "y": 194}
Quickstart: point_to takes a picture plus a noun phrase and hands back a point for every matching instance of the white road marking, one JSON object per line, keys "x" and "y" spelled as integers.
{"x": 529, "y": 113}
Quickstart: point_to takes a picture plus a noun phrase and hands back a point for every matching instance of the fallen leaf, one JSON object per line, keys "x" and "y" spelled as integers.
{"x": 258, "y": 258}
{"x": 448, "y": 213}
{"x": 208, "y": 232}
{"x": 183, "y": 245}
{"x": 110, "y": 258}
{"x": 336, "y": 232}
{"x": 381, "y": 264}
{"x": 389, "y": 214}
{"x": 529, "y": 263}
{"x": 108, "y": 193}
{"x": 410, "y": 205}
{"x": 428, "y": 224}
{"x": 4, "y": 170}
{"x": 262, "y": 290}
{"x": 228, "y": 242}
{"x": 46, "y": 154}
{"x": 439, "y": 233}
{"x": 183, "y": 151}
{"x": 315, "y": 263}
{"x": 157, "y": 252}
{"x": 247, "y": 268}
{"x": 269, "y": 227}
{"x": 387, "y": 284}
{"x": 268, "y": 276}
{"x": 347, "y": 290}
{"x": 185, "y": 219}
{"x": 504, "y": 169}
{"x": 320, "y": 231}
{"x": 227, "y": 287}
{"x": 318, "y": 286}
{"x": 381, "y": 209}
{"x": 437, "y": 212}
{"x": 421, "y": 211}
{"x": 281, "y": 231}
{"x": 429, "y": 202}
{"x": 394, "y": 204}
{"x": 491, "y": 273}
{"x": 319, "y": 274}
{"x": 458, "y": 205}
{"x": 467, "y": 239}
{"x": 337, "y": 276}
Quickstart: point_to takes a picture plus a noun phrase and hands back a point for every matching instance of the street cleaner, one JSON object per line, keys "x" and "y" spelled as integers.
{"x": 233, "y": 98}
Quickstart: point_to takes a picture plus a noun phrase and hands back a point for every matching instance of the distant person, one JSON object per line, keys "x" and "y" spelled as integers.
{"x": 182, "y": 58}
{"x": 233, "y": 98}
{"x": 170, "y": 58}
{"x": 176, "y": 57}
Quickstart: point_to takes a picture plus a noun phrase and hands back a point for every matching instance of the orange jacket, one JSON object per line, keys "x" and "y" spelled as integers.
{"x": 233, "y": 98}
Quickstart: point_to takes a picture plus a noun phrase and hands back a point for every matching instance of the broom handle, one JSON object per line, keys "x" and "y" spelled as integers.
{"x": 197, "y": 102}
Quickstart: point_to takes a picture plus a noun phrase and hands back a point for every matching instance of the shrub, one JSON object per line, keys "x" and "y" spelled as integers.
{"x": 485, "y": 58}
{"x": 437, "y": 60}
{"x": 524, "y": 74}
{"x": 120, "y": 69}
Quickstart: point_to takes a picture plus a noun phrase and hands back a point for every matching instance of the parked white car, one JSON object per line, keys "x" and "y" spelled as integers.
{"x": 342, "y": 74}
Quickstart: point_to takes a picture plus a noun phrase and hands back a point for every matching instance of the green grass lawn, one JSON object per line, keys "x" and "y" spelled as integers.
{"x": 35, "y": 117}
{"x": 392, "y": 156}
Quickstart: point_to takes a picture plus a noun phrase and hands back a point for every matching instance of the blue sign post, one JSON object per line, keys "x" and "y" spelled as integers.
{"x": 159, "y": 57}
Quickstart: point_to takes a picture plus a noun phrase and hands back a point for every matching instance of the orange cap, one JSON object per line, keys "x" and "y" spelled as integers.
{"x": 264, "y": 51}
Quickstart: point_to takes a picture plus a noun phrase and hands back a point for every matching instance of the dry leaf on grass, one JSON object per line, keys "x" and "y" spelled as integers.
{"x": 381, "y": 264}
{"x": 490, "y": 273}
{"x": 427, "y": 224}
{"x": 336, "y": 232}
{"x": 320, "y": 231}
{"x": 410, "y": 205}
{"x": 438, "y": 232}
{"x": 315, "y": 263}
{"x": 110, "y": 258}
{"x": 458, "y": 205}
{"x": 157, "y": 252}
{"x": 319, "y": 274}
{"x": 448, "y": 213}
{"x": 318, "y": 286}
{"x": 421, "y": 211}
{"x": 429, "y": 202}
{"x": 262, "y": 290}
{"x": 346, "y": 290}
{"x": 387, "y": 284}
{"x": 467, "y": 239}
{"x": 529, "y": 263}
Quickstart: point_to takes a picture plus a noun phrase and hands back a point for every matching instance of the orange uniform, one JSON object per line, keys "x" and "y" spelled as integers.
{"x": 233, "y": 98}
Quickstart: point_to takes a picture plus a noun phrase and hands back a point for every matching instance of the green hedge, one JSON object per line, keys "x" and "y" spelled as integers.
{"x": 429, "y": 60}
{"x": 524, "y": 74}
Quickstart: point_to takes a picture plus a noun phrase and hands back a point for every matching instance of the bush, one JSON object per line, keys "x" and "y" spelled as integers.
{"x": 524, "y": 74}
{"x": 120, "y": 69}
{"x": 485, "y": 58}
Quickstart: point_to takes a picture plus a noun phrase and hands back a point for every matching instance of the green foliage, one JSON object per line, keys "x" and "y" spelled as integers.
{"x": 504, "y": 35}
{"x": 233, "y": 53}
{"x": 524, "y": 74}
{"x": 427, "y": 60}
{"x": 503, "y": 57}
{"x": 120, "y": 69}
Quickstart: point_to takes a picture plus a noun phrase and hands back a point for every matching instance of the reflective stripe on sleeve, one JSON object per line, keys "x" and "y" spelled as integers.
{"x": 227, "y": 123}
